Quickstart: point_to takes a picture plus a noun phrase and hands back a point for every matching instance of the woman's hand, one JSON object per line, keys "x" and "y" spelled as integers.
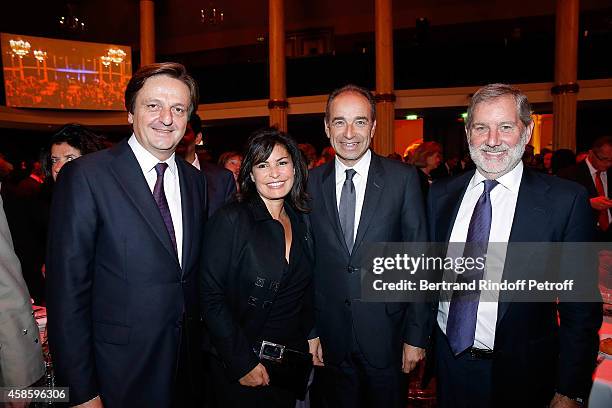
{"x": 256, "y": 377}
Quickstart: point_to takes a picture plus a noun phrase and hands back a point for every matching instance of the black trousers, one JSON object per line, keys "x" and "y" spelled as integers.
{"x": 226, "y": 393}
{"x": 354, "y": 383}
{"x": 463, "y": 381}
{"x": 187, "y": 390}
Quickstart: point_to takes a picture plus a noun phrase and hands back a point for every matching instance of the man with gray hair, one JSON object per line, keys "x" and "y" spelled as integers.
{"x": 497, "y": 354}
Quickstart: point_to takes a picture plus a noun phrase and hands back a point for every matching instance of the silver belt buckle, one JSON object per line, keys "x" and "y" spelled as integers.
{"x": 271, "y": 351}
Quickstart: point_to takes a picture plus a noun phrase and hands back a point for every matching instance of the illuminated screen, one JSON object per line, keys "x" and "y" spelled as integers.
{"x": 47, "y": 73}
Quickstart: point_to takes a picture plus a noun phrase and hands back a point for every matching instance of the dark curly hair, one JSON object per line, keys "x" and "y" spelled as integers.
{"x": 259, "y": 148}
{"x": 78, "y": 136}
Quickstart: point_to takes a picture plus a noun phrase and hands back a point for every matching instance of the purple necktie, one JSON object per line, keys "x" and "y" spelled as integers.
{"x": 160, "y": 198}
{"x": 461, "y": 323}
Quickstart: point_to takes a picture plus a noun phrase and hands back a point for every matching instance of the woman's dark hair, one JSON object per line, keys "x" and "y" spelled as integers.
{"x": 81, "y": 138}
{"x": 260, "y": 146}
{"x": 562, "y": 159}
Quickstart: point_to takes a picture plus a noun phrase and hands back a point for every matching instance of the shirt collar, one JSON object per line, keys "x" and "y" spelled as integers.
{"x": 361, "y": 167}
{"x": 146, "y": 160}
{"x": 592, "y": 169}
{"x": 511, "y": 180}
{"x": 196, "y": 162}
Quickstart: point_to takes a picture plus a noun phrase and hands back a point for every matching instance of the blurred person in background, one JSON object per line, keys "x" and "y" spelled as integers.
{"x": 580, "y": 156}
{"x": 310, "y": 153}
{"x": 427, "y": 157}
{"x": 562, "y": 159}
{"x": 21, "y": 360}
{"x": 595, "y": 174}
{"x": 27, "y": 210}
{"x": 327, "y": 155}
{"x": 70, "y": 142}
{"x": 220, "y": 181}
{"x": 231, "y": 161}
{"x": 547, "y": 161}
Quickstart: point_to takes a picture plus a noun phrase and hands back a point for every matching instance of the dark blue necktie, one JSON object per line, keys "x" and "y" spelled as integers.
{"x": 461, "y": 323}
{"x": 160, "y": 198}
{"x": 346, "y": 210}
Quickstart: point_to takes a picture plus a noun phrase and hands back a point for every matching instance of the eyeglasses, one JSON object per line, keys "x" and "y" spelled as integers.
{"x": 600, "y": 158}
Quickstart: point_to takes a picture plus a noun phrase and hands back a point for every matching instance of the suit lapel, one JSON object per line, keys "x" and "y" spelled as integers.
{"x": 374, "y": 188}
{"x": 329, "y": 197}
{"x": 531, "y": 211}
{"x": 449, "y": 203}
{"x": 126, "y": 170}
{"x": 187, "y": 206}
{"x": 584, "y": 177}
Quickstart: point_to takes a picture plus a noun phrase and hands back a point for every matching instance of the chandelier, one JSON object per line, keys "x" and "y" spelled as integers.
{"x": 113, "y": 55}
{"x": 40, "y": 55}
{"x": 20, "y": 48}
{"x": 212, "y": 15}
{"x": 106, "y": 60}
{"x": 70, "y": 21}
{"x": 116, "y": 55}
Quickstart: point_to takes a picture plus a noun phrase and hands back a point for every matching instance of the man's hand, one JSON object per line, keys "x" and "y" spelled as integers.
{"x": 256, "y": 377}
{"x": 315, "y": 348}
{"x": 561, "y": 401}
{"x": 601, "y": 203}
{"x": 411, "y": 356}
{"x": 93, "y": 403}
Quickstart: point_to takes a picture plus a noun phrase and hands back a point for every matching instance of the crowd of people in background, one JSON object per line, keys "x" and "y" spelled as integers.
{"x": 27, "y": 185}
{"x": 174, "y": 282}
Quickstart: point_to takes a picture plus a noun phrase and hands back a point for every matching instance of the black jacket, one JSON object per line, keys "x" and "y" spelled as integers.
{"x": 581, "y": 174}
{"x": 392, "y": 211}
{"x": 245, "y": 261}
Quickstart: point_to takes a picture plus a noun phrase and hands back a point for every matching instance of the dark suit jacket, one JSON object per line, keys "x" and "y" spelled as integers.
{"x": 243, "y": 269}
{"x": 221, "y": 186}
{"x": 580, "y": 174}
{"x": 534, "y": 355}
{"x": 392, "y": 212}
{"x": 116, "y": 292}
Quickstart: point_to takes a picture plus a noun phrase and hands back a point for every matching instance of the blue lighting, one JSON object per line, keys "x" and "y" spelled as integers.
{"x": 77, "y": 71}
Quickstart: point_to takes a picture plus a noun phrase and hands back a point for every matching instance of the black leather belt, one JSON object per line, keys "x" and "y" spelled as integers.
{"x": 266, "y": 350}
{"x": 480, "y": 354}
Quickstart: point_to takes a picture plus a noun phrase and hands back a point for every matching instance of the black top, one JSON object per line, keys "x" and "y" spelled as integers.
{"x": 248, "y": 291}
{"x": 283, "y": 325}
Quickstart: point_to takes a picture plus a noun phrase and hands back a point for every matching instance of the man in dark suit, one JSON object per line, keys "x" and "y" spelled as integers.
{"x": 220, "y": 181}
{"x": 594, "y": 174}
{"x": 124, "y": 254}
{"x": 499, "y": 354}
{"x": 357, "y": 199}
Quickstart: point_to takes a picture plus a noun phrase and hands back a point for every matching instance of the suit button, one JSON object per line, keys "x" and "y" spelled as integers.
{"x": 183, "y": 282}
{"x": 36, "y": 340}
{"x": 349, "y": 269}
{"x": 347, "y": 302}
{"x": 25, "y": 331}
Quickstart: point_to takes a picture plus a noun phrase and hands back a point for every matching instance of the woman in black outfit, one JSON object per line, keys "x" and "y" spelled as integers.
{"x": 257, "y": 277}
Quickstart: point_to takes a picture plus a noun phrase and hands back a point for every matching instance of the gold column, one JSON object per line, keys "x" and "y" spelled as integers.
{"x": 147, "y": 32}
{"x": 536, "y": 136}
{"x": 566, "y": 88}
{"x": 278, "y": 94}
{"x": 384, "y": 141}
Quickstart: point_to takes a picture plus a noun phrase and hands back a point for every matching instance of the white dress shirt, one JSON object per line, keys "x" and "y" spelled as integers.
{"x": 604, "y": 181}
{"x": 196, "y": 163}
{"x": 172, "y": 186}
{"x": 503, "y": 204}
{"x": 360, "y": 180}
